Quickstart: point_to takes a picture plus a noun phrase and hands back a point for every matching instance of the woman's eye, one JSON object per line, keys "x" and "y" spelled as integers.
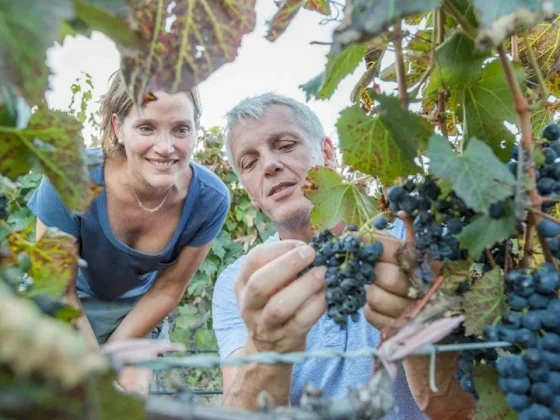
{"x": 145, "y": 129}
{"x": 183, "y": 131}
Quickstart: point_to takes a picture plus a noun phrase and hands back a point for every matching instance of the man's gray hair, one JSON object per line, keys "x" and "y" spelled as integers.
{"x": 256, "y": 106}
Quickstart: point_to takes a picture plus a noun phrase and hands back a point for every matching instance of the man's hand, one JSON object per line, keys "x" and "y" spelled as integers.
{"x": 278, "y": 307}
{"x": 387, "y": 298}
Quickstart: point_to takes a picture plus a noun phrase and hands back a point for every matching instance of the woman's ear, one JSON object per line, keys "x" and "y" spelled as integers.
{"x": 116, "y": 123}
{"x": 329, "y": 155}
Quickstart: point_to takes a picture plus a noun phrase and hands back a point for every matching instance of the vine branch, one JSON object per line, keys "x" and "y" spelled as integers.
{"x": 440, "y": 30}
{"x": 524, "y": 118}
{"x": 399, "y": 65}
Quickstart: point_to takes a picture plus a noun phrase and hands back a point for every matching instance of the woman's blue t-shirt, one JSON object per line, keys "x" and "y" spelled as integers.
{"x": 114, "y": 270}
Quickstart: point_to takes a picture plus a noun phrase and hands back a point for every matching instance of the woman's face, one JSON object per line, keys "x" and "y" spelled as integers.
{"x": 159, "y": 140}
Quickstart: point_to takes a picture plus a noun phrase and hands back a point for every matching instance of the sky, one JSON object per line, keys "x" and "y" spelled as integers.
{"x": 260, "y": 66}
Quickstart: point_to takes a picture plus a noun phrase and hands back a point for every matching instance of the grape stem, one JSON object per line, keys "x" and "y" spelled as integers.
{"x": 508, "y": 258}
{"x": 544, "y": 215}
{"x": 399, "y": 65}
{"x": 490, "y": 257}
{"x": 528, "y": 245}
{"x": 442, "y": 95}
{"x": 524, "y": 116}
{"x": 514, "y": 47}
{"x": 410, "y": 235}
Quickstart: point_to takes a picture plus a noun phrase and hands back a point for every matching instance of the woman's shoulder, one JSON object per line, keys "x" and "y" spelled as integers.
{"x": 211, "y": 184}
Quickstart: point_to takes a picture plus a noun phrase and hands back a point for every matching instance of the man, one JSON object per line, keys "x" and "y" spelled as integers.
{"x": 259, "y": 304}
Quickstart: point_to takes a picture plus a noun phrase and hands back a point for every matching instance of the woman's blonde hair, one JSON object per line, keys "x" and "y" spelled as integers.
{"x": 118, "y": 101}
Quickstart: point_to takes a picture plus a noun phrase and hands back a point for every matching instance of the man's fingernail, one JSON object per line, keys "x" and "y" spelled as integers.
{"x": 319, "y": 272}
{"x": 306, "y": 252}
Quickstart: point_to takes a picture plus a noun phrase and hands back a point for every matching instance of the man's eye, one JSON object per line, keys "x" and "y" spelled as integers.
{"x": 287, "y": 146}
{"x": 248, "y": 165}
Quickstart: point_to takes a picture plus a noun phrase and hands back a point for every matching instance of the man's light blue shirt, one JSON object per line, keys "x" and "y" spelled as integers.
{"x": 334, "y": 375}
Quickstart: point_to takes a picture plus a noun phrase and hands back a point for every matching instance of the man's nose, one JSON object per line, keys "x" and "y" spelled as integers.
{"x": 271, "y": 164}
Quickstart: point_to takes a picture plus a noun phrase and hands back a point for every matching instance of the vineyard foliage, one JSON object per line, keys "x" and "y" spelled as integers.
{"x": 451, "y": 132}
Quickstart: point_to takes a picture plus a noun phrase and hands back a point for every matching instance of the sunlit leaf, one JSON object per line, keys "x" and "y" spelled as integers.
{"x": 368, "y": 146}
{"x": 335, "y": 201}
{"x": 27, "y": 29}
{"x": 338, "y": 67}
{"x": 54, "y": 261}
{"x": 478, "y": 177}
{"x": 369, "y": 18}
{"x": 484, "y": 303}
{"x": 184, "y": 42}
{"x": 321, "y": 6}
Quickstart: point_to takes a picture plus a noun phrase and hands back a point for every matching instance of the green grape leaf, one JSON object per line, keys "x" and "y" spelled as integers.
{"x": 110, "y": 19}
{"x": 183, "y": 42}
{"x": 335, "y": 201}
{"x": 368, "y": 146}
{"x": 338, "y": 67}
{"x": 485, "y": 231}
{"x": 466, "y": 9}
{"x": 457, "y": 64}
{"x": 409, "y": 130}
{"x": 492, "y": 402}
{"x": 27, "y": 29}
{"x": 54, "y": 261}
{"x": 478, "y": 177}
{"x": 369, "y": 18}
{"x": 484, "y": 303}
{"x": 487, "y": 104}
{"x": 54, "y": 140}
{"x": 312, "y": 88}
{"x": 501, "y": 18}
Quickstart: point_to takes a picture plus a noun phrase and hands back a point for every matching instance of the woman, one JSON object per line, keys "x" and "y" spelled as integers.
{"x": 151, "y": 226}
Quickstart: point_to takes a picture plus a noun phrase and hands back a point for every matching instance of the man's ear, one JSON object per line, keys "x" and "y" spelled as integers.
{"x": 329, "y": 154}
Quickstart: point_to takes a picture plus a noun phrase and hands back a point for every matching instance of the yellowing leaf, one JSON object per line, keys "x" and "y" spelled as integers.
{"x": 484, "y": 303}
{"x": 54, "y": 261}
{"x": 545, "y": 41}
{"x": 321, "y": 6}
{"x": 334, "y": 201}
{"x": 184, "y": 42}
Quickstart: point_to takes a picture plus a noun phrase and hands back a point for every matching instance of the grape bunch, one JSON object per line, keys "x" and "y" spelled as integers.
{"x": 530, "y": 377}
{"x": 469, "y": 358}
{"x": 433, "y": 236}
{"x": 3, "y": 206}
{"x": 547, "y": 174}
{"x": 350, "y": 267}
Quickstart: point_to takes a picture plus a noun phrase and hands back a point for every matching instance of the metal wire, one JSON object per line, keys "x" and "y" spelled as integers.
{"x": 269, "y": 358}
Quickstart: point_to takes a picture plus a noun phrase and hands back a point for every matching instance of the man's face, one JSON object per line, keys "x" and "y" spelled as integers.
{"x": 273, "y": 156}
